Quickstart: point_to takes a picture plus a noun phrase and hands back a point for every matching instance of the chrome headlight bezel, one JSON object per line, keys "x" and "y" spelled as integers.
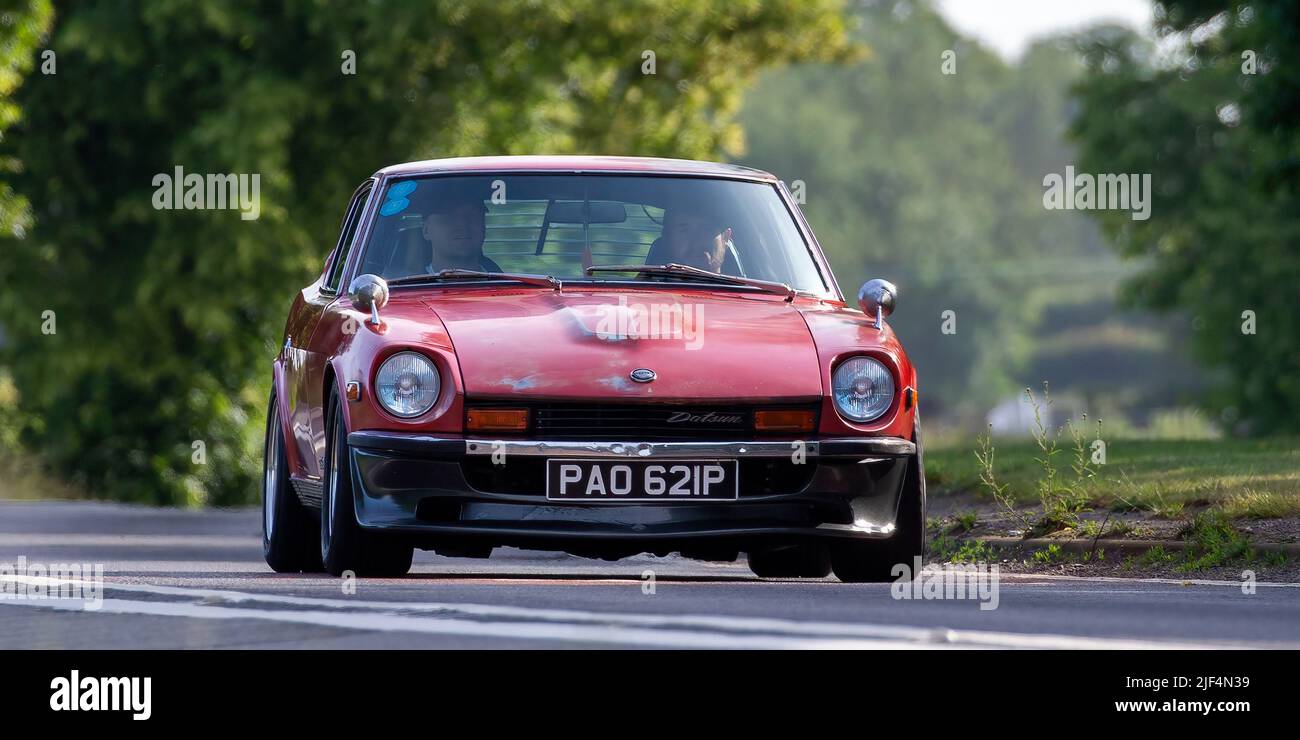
{"x": 879, "y": 377}
{"x": 420, "y": 369}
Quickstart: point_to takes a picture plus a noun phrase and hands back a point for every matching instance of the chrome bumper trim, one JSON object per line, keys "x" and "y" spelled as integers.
{"x": 679, "y": 450}
{"x": 887, "y": 446}
{"x": 862, "y": 449}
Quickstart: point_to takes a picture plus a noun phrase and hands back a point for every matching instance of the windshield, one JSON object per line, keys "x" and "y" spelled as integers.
{"x": 560, "y": 225}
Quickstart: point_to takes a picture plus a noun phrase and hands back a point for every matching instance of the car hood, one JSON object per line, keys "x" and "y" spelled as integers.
{"x": 585, "y": 345}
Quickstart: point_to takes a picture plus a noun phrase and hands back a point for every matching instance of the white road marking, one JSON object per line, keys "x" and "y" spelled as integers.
{"x": 569, "y": 570}
{"x": 614, "y": 628}
{"x": 601, "y": 634}
{"x": 127, "y": 540}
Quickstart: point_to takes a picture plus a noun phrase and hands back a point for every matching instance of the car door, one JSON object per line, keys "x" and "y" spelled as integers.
{"x": 308, "y": 414}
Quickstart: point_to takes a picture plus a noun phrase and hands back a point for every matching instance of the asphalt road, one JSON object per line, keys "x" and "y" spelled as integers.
{"x": 195, "y": 579}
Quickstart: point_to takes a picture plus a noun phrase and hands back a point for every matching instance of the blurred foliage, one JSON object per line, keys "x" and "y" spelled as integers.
{"x": 23, "y": 25}
{"x": 933, "y": 180}
{"x": 1223, "y": 150}
{"x": 167, "y": 320}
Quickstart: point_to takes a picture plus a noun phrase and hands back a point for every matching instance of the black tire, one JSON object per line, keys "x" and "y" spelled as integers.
{"x": 344, "y": 545}
{"x": 290, "y": 533}
{"x": 793, "y": 561}
{"x": 873, "y": 561}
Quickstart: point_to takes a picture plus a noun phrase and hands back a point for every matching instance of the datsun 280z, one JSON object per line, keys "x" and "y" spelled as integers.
{"x": 599, "y": 355}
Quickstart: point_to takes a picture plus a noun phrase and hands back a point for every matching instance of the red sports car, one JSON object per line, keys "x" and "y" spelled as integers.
{"x": 600, "y": 355}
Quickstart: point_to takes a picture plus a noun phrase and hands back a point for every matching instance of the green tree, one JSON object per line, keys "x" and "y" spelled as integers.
{"x": 1214, "y": 118}
{"x": 167, "y": 319}
{"x": 23, "y": 25}
{"x": 923, "y": 164}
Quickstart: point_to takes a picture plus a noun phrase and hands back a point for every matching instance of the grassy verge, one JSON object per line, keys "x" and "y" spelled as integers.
{"x": 23, "y": 479}
{"x": 1241, "y": 479}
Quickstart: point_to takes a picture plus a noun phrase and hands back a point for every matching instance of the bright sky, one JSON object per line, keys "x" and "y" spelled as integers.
{"x": 1009, "y": 26}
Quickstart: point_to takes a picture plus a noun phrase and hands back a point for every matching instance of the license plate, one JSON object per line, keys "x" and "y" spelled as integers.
{"x": 642, "y": 480}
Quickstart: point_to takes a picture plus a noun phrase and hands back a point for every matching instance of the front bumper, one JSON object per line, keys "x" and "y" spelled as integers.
{"x": 441, "y": 490}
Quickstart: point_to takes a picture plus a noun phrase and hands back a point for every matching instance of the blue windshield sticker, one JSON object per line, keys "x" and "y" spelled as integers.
{"x": 394, "y": 207}
{"x": 401, "y": 190}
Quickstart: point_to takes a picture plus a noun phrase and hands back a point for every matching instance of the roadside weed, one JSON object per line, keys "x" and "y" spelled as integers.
{"x": 1275, "y": 558}
{"x": 964, "y": 522}
{"x": 1157, "y": 555}
{"x": 1090, "y": 529}
{"x": 1120, "y": 528}
{"x": 985, "y": 453}
{"x": 1060, "y": 498}
{"x": 946, "y": 549}
{"x": 1061, "y": 502}
{"x": 1212, "y": 540}
{"x": 1049, "y": 555}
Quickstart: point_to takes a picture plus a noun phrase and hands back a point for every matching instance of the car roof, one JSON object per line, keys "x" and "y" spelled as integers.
{"x": 549, "y": 163}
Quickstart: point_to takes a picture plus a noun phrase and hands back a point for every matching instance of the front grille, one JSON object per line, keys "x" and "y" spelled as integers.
{"x": 642, "y": 422}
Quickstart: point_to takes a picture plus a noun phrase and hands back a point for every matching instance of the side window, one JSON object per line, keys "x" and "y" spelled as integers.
{"x": 347, "y": 236}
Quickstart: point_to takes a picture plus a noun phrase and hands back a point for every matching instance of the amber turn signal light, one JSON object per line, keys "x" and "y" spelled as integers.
{"x": 784, "y": 421}
{"x": 497, "y": 420}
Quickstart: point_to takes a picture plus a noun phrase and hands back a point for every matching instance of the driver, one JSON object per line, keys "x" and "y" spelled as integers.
{"x": 455, "y": 228}
{"x": 690, "y": 237}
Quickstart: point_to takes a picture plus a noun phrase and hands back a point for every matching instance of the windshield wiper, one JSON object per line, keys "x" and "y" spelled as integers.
{"x": 545, "y": 281}
{"x": 679, "y": 270}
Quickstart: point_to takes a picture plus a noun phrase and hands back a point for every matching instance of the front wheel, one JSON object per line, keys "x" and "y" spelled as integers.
{"x": 874, "y": 561}
{"x": 344, "y": 545}
{"x": 288, "y": 528}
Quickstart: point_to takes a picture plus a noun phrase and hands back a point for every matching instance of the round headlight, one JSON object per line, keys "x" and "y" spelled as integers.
{"x": 863, "y": 389}
{"x": 407, "y": 384}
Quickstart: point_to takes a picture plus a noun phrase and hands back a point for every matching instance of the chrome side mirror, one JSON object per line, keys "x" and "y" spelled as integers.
{"x": 878, "y": 298}
{"x": 369, "y": 293}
